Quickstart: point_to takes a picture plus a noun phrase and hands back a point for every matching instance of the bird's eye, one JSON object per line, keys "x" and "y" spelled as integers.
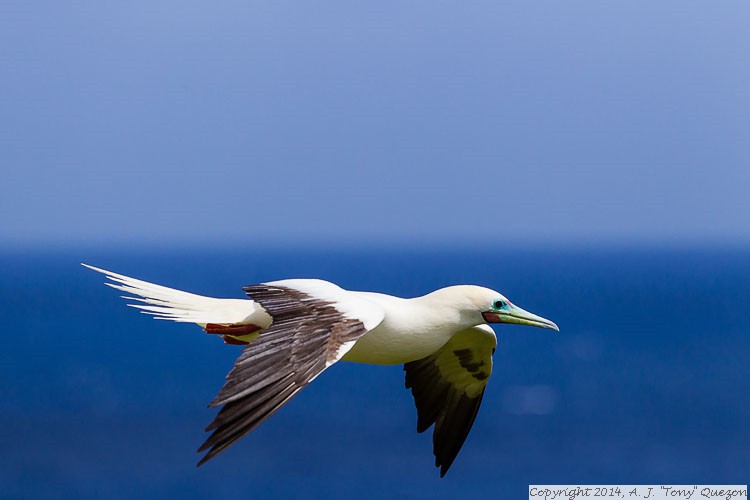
{"x": 500, "y": 304}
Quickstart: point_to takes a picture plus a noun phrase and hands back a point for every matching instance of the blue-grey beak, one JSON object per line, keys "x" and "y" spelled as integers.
{"x": 517, "y": 316}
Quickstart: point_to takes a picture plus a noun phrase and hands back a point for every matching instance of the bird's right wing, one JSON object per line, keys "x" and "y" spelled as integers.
{"x": 448, "y": 387}
{"x": 314, "y": 324}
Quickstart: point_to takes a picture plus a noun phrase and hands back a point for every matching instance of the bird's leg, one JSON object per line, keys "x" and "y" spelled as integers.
{"x": 230, "y": 333}
{"x": 233, "y": 341}
{"x": 234, "y": 330}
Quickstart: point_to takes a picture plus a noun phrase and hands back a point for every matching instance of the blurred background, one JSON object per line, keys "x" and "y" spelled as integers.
{"x": 588, "y": 159}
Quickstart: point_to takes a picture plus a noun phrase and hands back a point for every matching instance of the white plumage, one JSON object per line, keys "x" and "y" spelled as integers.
{"x": 184, "y": 307}
{"x": 295, "y": 329}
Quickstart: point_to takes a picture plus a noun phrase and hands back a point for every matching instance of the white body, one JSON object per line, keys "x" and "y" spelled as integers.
{"x": 298, "y": 328}
{"x": 400, "y": 330}
{"x": 411, "y": 329}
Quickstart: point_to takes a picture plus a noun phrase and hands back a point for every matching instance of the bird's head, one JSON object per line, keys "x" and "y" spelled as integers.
{"x": 477, "y": 305}
{"x": 496, "y": 308}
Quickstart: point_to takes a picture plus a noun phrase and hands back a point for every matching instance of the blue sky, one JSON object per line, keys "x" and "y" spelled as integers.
{"x": 242, "y": 122}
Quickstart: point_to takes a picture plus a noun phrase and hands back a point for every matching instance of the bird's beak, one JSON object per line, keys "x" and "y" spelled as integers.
{"x": 517, "y": 316}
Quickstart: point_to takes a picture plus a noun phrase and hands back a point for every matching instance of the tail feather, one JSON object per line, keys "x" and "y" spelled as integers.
{"x": 175, "y": 305}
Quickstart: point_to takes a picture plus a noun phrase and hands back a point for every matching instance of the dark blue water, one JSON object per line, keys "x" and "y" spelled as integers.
{"x": 647, "y": 382}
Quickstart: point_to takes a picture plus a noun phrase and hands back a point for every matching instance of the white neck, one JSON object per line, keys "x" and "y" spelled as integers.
{"x": 412, "y": 328}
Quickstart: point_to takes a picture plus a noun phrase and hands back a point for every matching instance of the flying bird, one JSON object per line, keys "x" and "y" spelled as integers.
{"x": 294, "y": 329}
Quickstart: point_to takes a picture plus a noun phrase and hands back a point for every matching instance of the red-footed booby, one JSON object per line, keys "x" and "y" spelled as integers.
{"x": 295, "y": 329}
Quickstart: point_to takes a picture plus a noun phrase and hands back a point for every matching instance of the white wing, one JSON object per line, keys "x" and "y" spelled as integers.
{"x": 350, "y": 305}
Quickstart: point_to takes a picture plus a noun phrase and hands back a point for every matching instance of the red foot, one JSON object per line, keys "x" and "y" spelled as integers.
{"x": 234, "y": 330}
{"x": 234, "y": 341}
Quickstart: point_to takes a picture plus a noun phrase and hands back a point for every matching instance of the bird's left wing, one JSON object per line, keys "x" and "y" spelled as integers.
{"x": 448, "y": 387}
{"x": 314, "y": 324}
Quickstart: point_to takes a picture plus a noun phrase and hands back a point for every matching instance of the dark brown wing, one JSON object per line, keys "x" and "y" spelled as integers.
{"x": 307, "y": 335}
{"x": 448, "y": 387}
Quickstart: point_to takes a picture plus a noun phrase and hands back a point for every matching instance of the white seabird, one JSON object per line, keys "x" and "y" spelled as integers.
{"x": 294, "y": 329}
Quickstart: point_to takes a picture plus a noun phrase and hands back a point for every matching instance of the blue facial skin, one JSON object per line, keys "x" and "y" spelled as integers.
{"x": 500, "y": 305}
